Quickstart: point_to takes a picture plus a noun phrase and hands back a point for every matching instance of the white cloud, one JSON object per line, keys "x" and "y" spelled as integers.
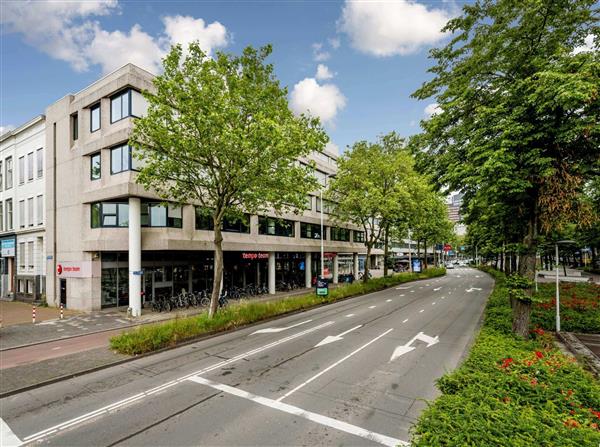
{"x": 324, "y": 101}
{"x": 67, "y": 31}
{"x": 334, "y": 42}
{"x": 319, "y": 54}
{"x": 7, "y": 128}
{"x": 392, "y": 28}
{"x": 323, "y": 73}
{"x": 432, "y": 109}
{"x": 588, "y": 45}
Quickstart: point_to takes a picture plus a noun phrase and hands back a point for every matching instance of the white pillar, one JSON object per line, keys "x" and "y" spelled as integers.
{"x": 308, "y": 270}
{"x": 271, "y": 272}
{"x": 135, "y": 257}
{"x": 335, "y": 269}
{"x": 355, "y": 264}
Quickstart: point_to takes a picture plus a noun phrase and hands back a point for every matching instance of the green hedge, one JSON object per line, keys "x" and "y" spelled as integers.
{"x": 156, "y": 336}
{"x": 511, "y": 392}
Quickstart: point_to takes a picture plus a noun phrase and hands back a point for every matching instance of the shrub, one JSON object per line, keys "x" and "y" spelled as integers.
{"x": 157, "y": 336}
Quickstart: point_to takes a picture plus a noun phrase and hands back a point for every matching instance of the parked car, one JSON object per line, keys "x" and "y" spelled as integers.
{"x": 449, "y": 265}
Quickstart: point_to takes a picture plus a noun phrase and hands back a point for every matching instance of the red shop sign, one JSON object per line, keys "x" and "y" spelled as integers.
{"x": 253, "y": 256}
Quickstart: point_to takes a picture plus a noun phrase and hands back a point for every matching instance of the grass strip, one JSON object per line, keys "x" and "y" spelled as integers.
{"x": 512, "y": 392}
{"x": 150, "y": 338}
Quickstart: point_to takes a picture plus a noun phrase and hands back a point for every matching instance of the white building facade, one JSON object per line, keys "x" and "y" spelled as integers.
{"x": 22, "y": 211}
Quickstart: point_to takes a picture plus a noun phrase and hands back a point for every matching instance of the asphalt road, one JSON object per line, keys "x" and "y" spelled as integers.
{"x": 279, "y": 383}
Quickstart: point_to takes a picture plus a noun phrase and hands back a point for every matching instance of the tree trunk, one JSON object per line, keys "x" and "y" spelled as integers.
{"x": 565, "y": 264}
{"x": 367, "y": 263}
{"x": 521, "y": 312}
{"x": 425, "y": 249}
{"x": 218, "y": 272}
{"x": 386, "y": 249}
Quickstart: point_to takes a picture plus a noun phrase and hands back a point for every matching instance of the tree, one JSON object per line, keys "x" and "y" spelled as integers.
{"x": 219, "y": 133}
{"x": 370, "y": 188}
{"x": 519, "y": 114}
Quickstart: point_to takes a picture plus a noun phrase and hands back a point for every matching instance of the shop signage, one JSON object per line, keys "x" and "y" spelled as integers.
{"x": 253, "y": 256}
{"x": 322, "y": 286}
{"x": 447, "y": 247}
{"x": 416, "y": 265}
{"x": 75, "y": 269}
{"x": 329, "y": 255}
{"x": 8, "y": 247}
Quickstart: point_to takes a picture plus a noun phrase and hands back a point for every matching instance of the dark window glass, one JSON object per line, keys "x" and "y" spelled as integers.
{"x": 340, "y": 234}
{"x": 359, "y": 236}
{"x": 95, "y": 166}
{"x": 159, "y": 215}
{"x": 119, "y": 106}
{"x": 74, "y": 127}
{"x": 109, "y": 214}
{"x": 120, "y": 158}
{"x": 204, "y": 221}
{"x": 96, "y": 211}
{"x": 312, "y": 231}
{"x": 123, "y": 214}
{"x": 95, "y": 117}
{"x": 275, "y": 227}
{"x": 241, "y": 225}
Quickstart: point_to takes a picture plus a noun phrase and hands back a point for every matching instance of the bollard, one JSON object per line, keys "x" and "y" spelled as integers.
{"x": 61, "y": 311}
{"x": 33, "y": 314}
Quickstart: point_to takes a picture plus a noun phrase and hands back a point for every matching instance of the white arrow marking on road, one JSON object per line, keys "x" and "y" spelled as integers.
{"x": 8, "y": 438}
{"x": 332, "y": 338}
{"x": 436, "y": 289}
{"x": 403, "y": 349}
{"x": 472, "y": 288}
{"x": 272, "y": 330}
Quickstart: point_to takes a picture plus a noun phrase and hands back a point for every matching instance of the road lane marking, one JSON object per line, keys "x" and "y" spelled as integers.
{"x": 422, "y": 310}
{"x": 402, "y": 294}
{"x": 405, "y": 321}
{"x": 403, "y": 288}
{"x": 388, "y": 301}
{"x": 436, "y": 289}
{"x": 349, "y": 315}
{"x": 372, "y": 307}
{"x": 273, "y": 330}
{"x": 412, "y": 291}
{"x": 7, "y": 437}
{"x": 296, "y": 411}
{"x": 333, "y": 365}
{"x": 56, "y": 348}
{"x": 332, "y": 338}
{"x": 443, "y": 297}
{"x": 121, "y": 403}
{"x": 405, "y": 348}
{"x": 433, "y": 304}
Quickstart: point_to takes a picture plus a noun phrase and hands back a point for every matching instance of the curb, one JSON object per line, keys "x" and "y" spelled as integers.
{"x": 581, "y": 351}
{"x": 190, "y": 341}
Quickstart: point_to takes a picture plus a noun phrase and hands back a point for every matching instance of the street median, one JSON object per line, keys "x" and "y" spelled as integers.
{"x": 150, "y": 338}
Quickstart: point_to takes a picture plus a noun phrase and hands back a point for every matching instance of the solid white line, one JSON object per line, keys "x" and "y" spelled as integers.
{"x": 349, "y": 330}
{"x": 274, "y": 330}
{"x": 402, "y": 294}
{"x": 7, "y": 437}
{"x": 119, "y": 404}
{"x": 333, "y": 365}
{"x": 422, "y": 310}
{"x": 314, "y": 417}
{"x": 349, "y": 315}
{"x": 372, "y": 307}
{"x": 405, "y": 321}
{"x": 433, "y": 304}
{"x": 404, "y": 288}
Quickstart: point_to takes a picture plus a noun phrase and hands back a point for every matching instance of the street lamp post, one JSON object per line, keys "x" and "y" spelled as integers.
{"x": 322, "y": 259}
{"x": 557, "y": 283}
{"x": 409, "y": 253}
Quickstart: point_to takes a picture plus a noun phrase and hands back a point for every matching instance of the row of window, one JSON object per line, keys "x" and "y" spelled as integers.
{"x": 116, "y": 214}
{"x": 35, "y": 165}
{"x": 26, "y": 218}
{"x": 121, "y": 160}
{"x": 124, "y": 104}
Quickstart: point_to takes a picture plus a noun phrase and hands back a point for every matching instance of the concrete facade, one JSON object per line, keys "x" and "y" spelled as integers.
{"x": 81, "y": 257}
{"x": 22, "y": 217}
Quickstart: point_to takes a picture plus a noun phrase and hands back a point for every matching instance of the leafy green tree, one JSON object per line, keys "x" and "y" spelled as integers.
{"x": 519, "y": 114}
{"x": 219, "y": 133}
{"x": 371, "y": 187}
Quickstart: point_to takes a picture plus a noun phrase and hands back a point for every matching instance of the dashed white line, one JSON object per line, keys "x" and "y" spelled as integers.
{"x": 422, "y": 310}
{"x": 57, "y": 348}
{"x": 433, "y": 304}
{"x": 404, "y": 321}
{"x": 349, "y": 315}
{"x": 402, "y": 294}
{"x": 388, "y": 301}
{"x": 372, "y": 307}
{"x": 296, "y": 411}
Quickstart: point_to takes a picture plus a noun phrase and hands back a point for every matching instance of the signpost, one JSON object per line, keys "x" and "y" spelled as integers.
{"x": 322, "y": 286}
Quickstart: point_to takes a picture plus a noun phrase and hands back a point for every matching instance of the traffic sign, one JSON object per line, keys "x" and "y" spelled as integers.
{"x": 322, "y": 286}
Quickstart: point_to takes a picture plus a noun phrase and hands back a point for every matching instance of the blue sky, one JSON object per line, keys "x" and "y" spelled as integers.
{"x": 373, "y": 55}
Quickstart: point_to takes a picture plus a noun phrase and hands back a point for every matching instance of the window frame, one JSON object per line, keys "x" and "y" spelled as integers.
{"x": 101, "y": 214}
{"x": 40, "y": 209}
{"x": 335, "y": 231}
{"x": 129, "y": 158}
{"x": 30, "y": 210}
{"x": 355, "y": 233}
{"x": 93, "y": 108}
{"x": 75, "y": 126}
{"x": 266, "y": 221}
{"x": 39, "y": 162}
{"x": 22, "y": 213}
{"x": 30, "y": 162}
{"x": 92, "y": 156}
{"x": 8, "y": 166}
{"x": 305, "y": 226}
{"x": 120, "y": 95}
{"x": 21, "y": 166}
{"x": 10, "y": 214}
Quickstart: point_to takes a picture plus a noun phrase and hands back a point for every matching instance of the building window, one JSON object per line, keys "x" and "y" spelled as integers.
{"x": 109, "y": 214}
{"x": 40, "y": 210}
{"x": 22, "y": 255}
{"x": 9, "y": 173}
{"x": 240, "y": 225}
{"x": 30, "y": 166}
{"x": 9, "y": 214}
{"x": 40, "y": 162}
{"x": 312, "y": 231}
{"x": 204, "y": 221}
{"x": 340, "y": 234}
{"x": 159, "y": 215}
{"x": 95, "y": 117}
{"x": 359, "y": 236}
{"x": 1, "y": 216}
{"x": 327, "y": 206}
{"x": 1, "y": 177}
{"x": 75, "y": 126}
{"x": 121, "y": 159}
{"x": 120, "y": 106}
{"x": 95, "y": 166}
{"x": 21, "y": 170}
{"x": 30, "y": 254}
{"x": 275, "y": 227}
{"x": 30, "y": 211}
{"x": 22, "y": 214}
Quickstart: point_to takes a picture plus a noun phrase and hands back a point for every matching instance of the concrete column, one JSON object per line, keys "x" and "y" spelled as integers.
{"x": 335, "y": 269}
{"x": 355, "y": 264}
{"x": 272, "y": 273}
{"x": 135, "y": 256}
{"x": 308, "y": 269}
